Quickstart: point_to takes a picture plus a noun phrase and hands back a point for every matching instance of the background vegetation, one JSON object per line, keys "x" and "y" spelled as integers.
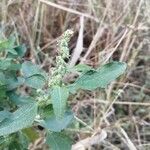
{"x": 104, "y": 30}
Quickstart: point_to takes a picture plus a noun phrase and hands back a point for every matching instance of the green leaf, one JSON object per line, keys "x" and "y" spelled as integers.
{"x": 2, "y": 92}
{"x": 19, "y": 100}
{"x": 82, "y": 68}
{"x": 12, "y": 51}
{"x": 15, "y": 145}
{"x": 5, "y": 63}
{"x": 13, "y": 82}
{"x": 45, "y": 111}
{"x": 53, "y": 124}
{"x": 99, "y": 79}
{"x": 4, "y": 45}
{"x": 8, "y": 64}
{"x": 22, "y": 118}
{"x": 2, "y": 79}
{"x": 8, "y": 45}
{"x": 35, "y": 81}
{"x": 4, "y": 114}
{"x": 20, "y": 52}
{"x": 29, "y": 69}
{"x": 23, "y": 140}
{"x": 58, "y": 141}
{"x": 59, "y": 96}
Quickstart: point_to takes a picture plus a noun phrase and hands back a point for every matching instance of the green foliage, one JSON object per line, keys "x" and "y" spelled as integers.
{"x": 21, "y": 118}
{"x": 19, "y": 100}
{"x": 53, "y": 124}
{"x": 34, "y": 76}
{"x": 8, "y": 45}
{"x": 29, "y": 69}
{"x": 99, "y": 78}
{"x": 4, "y": 114}
{"x": 59, "y": 97}
{"x": 36, "y": 81}
{"x": 45, "y": 103}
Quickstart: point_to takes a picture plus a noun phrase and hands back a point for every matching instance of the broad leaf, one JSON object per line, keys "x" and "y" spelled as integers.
{"x": 58, "y": 141}
{"x": 35, "y": 81}
{"x": 82, "y": 68}
{"x": 22, "y": 118}
{"x": 53, "y": 124}
{"x": 8, "y": 64}
{"x": 4, "y": 114}
{"x": 99, "y": 78}
{"x": 29, "y": 69}
{"x": 13, "y": 82}
{"x": 19, "y": 100}
{"x": 59, "y": 96}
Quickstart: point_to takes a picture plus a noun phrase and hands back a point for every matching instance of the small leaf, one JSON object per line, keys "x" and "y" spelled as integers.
{"x": 35, "y": 81}
{"x": 53, "y": 124}
{"x": 99, "y": 79}
{"x": 12, "y": 51}
{"x": 20, "y": 52}
{"x": 59, "y": 97}
{"x": 58, "y": 141}
{"x": 22, "y": 118}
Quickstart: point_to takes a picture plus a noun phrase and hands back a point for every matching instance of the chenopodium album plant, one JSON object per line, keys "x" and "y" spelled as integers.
{"x": 45, "y": 101}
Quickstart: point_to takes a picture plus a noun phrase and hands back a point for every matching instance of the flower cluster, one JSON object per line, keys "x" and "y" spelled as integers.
{"x": 61, "y": 66}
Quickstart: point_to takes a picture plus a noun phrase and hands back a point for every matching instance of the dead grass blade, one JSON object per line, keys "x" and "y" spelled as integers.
{"x": 69, "y": 10}
{"x": 88, "y": 142}
{"x": 79, "y": 46}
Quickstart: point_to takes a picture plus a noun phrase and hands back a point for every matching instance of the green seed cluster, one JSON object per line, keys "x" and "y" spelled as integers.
{"x": 61, "y": 66}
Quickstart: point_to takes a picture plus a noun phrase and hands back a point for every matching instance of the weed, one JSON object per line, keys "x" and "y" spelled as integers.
{"x": 46, "y": 103}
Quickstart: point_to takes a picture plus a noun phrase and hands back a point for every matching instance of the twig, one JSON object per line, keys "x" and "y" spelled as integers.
{"x": 127, "y": 140}
{"x": 69, "y": 10}
{"x": 82, "y": 122}
{"x": 83, "y": 144}
{"x": 123, "y": 103}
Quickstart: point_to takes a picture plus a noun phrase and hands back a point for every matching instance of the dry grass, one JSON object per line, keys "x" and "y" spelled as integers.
{"x": 104, "y": 30}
